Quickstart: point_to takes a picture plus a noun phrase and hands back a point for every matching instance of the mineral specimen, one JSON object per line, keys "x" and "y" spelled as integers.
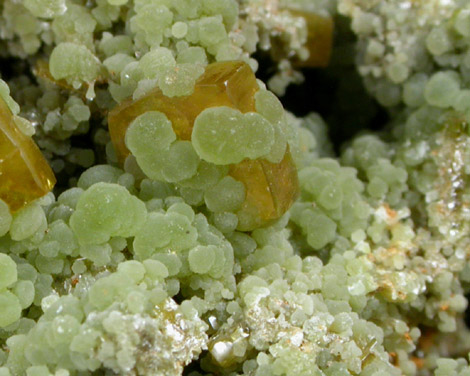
{"x": 24, "y": 173}
{"x": 270, "y": 187}
{"x": 174, "y": 242}
{"x": 231, "y": 84}
{"x": 319, "y": 39}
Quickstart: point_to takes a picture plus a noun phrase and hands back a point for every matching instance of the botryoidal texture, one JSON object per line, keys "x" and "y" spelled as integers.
{"x": 144, "y": 266}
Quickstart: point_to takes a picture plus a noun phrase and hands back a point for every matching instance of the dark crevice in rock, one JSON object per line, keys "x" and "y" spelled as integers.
{"x": 337, "y": 92}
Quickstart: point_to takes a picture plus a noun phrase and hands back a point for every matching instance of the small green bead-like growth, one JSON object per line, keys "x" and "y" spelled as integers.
{"x": 10, "y": 308}
{"x": 27, "y": 222}
{"x": 8, "y": 272}
{"x": 105, "y": 210}
{"x": 5, "y": 218}
{"x": 74, "y": 62}
{"x": 222, "y": 135}
{"x": 46, "y": 8}
{"x": 149, "y": 132}
{"x": 227, "y": 195}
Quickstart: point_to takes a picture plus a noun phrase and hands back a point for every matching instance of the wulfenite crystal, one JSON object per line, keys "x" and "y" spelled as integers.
{"x": 230, "y": 84}
{"x": 270, "y": 187}
{"x": 319, "y": 39}
{"x": 24, "y": 173}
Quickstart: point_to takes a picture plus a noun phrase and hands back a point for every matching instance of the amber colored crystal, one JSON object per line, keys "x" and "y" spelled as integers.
{"x": 319, "y": 39}
{"x": 270, "y": 188}
{"x": 24, "y": 172}
{"x": 231, "y": 84}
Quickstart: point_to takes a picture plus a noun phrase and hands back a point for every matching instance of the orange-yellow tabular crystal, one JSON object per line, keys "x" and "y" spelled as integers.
{"x": 24, "y": 173}
{"x": 319, "y": 39}
{"x": 270, "y": 188}
{"x": 231, "y": 84}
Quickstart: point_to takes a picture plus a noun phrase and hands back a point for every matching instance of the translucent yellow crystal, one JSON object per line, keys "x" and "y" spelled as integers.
{"x": 270, "y": 188}
{"x": 231, "y": 84}
{"x": 24, "y": 172}
{"x": 319, "y": 39}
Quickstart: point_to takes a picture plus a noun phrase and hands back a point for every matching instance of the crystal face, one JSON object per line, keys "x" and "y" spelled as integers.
{"x": 319, "y": 39}
{"x": 24, "y": 172}
{"x": 231, "y": 84}
{"x": 270, "y": 188}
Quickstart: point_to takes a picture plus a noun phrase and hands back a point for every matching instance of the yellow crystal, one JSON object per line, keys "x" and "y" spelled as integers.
{"x": 319, "y": 39}
{"x": 24, "y": 172}
{"x": 270, "y": 188}
{"x": 231, "y": 84}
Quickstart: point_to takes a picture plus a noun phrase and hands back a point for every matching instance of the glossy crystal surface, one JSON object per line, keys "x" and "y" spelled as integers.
{"x": 24, "y": 172}
{"x": 270, "y": 188}
{"x": 319, "y": 39}
{"x": 231, "y": 84}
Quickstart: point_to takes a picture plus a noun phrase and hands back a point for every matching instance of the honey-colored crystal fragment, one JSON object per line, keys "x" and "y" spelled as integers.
{"x": 24, "y": 172}
{"x": 231, "y": 84}
{"x": 270, "y": 188}
{"x": 319, "y": 39}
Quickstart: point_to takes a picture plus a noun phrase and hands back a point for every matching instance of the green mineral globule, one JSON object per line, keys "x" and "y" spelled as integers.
{"x": 225, "y": 136}
{"x": 106, "y": 210}
{"x": 82, "y": 64}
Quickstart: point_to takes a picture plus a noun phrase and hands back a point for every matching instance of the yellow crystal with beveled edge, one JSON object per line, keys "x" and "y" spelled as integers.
{"x": 270, "y": 188}
{"x": 24, "y": 172}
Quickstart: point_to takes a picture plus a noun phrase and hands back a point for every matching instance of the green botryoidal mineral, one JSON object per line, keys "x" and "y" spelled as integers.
{"x": 177, "y": 240}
